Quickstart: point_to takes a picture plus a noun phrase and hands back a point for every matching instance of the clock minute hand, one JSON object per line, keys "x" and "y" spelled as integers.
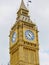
{"x": 29, "y": 34}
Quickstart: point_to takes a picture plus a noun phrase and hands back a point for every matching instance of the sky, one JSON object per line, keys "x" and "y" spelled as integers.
{"x": 39, "y": 14}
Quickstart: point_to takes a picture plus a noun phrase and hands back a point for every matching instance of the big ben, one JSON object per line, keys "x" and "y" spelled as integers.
{"x": 24, "y": 45}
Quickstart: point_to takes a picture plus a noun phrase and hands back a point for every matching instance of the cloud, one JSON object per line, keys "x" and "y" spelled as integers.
{"x": 44, "y": 58}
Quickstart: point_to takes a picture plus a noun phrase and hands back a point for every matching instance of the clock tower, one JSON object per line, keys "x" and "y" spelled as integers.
{"x": 24, "y": 45}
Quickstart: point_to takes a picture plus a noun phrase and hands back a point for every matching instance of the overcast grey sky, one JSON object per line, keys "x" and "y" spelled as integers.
{"x": 39, "y": 13}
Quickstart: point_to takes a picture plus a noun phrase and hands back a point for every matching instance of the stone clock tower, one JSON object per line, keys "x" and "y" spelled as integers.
{"x": 24, "y": 47}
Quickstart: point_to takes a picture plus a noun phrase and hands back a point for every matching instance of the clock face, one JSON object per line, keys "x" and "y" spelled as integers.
{"x": 29, "y": 35}
{"x": 14, "y": 37}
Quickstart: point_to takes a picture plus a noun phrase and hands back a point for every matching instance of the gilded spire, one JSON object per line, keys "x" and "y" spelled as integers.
{"x": 22, "y": 6}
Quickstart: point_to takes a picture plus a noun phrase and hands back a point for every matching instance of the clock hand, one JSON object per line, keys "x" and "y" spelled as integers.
{"x": 30, "y": 35}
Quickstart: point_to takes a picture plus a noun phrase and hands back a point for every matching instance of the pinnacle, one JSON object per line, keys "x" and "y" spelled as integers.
{"x": 22, "y": 6}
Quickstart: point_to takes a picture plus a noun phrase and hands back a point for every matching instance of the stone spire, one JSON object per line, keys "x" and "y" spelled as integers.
{"x": 22, "y": 6}
{"x": 23, "y": 13}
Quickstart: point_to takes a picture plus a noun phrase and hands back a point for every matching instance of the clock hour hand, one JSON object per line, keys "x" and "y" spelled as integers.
{"x": 30, "y": 35}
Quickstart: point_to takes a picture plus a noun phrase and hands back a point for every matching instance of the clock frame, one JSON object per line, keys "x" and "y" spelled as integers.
{"x": 14, "y": 36}
{"x": 34, "y": 34}
{"x": 29, "y": 35}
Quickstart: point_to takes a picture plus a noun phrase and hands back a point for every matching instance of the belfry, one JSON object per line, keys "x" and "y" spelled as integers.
{"x": 24, "y": 45}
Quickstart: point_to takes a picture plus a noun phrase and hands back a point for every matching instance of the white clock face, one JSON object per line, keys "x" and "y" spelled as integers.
{"x": 14, "y": 37}
{"x": 29, "y": 35}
